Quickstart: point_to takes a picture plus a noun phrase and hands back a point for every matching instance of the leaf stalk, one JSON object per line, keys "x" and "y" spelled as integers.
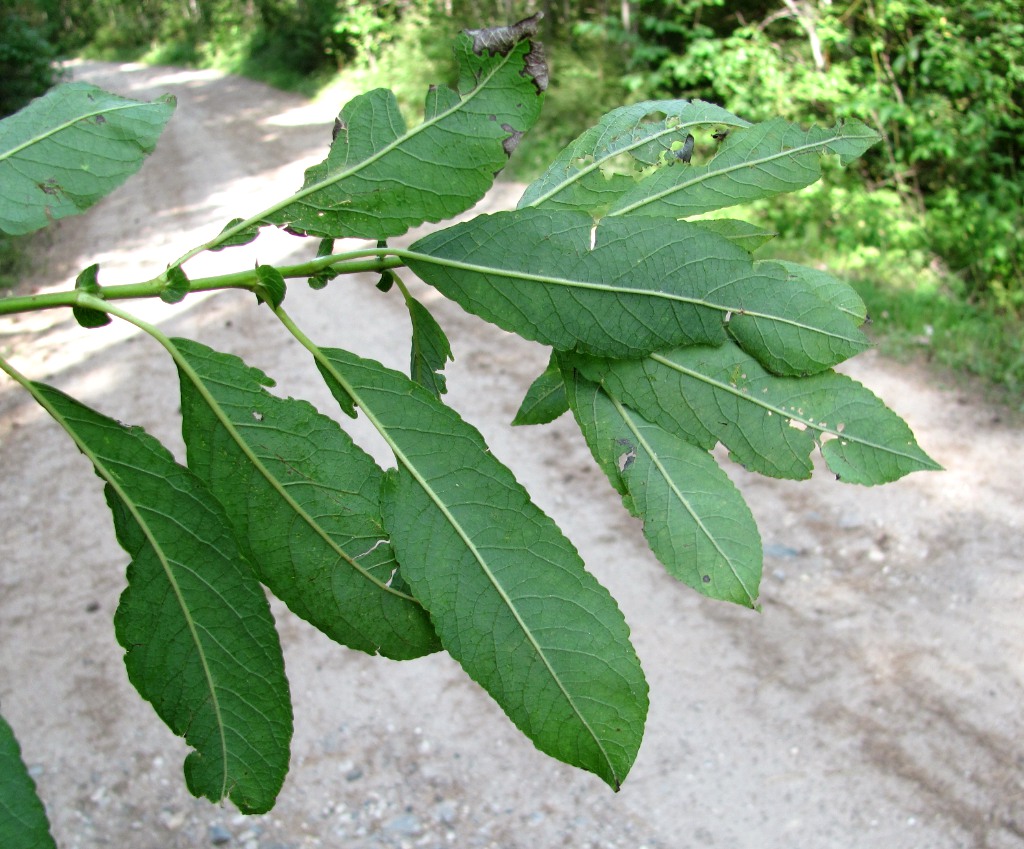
{"x": 366, "y": 260}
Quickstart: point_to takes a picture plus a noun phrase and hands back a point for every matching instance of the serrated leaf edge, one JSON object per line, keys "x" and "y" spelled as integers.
{"x": 306, "y": 191}
{"x": 727, "y": 311}
{"x": 466, "y": 539}
{"x": 229, "y": 426}
{"x": 38, "y": 391}
{"x": 625, "y": 413}
{"x": 809, "y": 147}
{"x": 130, "y": 104}
{"x": 816, "y": 427}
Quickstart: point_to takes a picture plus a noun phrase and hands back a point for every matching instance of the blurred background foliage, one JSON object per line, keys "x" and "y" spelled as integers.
{"x": 929, "y": 225}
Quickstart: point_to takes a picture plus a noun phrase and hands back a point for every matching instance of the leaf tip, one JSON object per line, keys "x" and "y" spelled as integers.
{"x": 502, "y": 40}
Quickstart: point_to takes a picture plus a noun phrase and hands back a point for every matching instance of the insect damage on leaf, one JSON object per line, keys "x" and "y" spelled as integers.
{"x": 501, "y": 40}
{"x": 685, "y": 153}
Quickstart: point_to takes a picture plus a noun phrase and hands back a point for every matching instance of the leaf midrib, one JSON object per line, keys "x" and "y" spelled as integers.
{"x": 306, "y": 191}
{"x": 257, "y": 462}
{"x": 471, "y": 546}
{"x": 102, "y": 465}
{"x": 746, "y": 163}
{"x": 68, "y": 124}
{"x": 785, "y": 414}
{"x": 597, "y": 163}
{"x": 656, "y": 460}
{"x": 529, "y": 277}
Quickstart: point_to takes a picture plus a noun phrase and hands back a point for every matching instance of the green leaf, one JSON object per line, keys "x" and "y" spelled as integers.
{"x": 430, "y": 349}
{"x": 647, "y": 284}
{"x": 177, "y": 286}
{"x": 756, "y": 162}
{"x": 23, "y": 823}
{"x": 69, "y": 148}
{"x": 741, "y": 233}
{"x": 321, "y": 278}
{"x": 695, "y": 520}
{"x": 588, "y": 173}
{"x": 242, "y": 237}
{"x": 791, "y": 330}
{"x": 770, "y": 424}
{"x": 86, "y": 316}
{"x": 507, "y": 592}
{"x": 830, "y": 289}
{"x": 304, "y": 500}
{"x": 271, "y": 287}
{"x": 545, "y": 399}
{"x": 380, "y": 178}
{"x": 199, "y": 639}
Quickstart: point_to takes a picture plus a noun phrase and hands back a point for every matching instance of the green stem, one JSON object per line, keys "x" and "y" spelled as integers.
{"x": 335, "y": 177}
{"x": 352, "y": 262}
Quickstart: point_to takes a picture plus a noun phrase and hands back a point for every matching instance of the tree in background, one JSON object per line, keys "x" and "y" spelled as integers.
{"x": 942, "y": 82}
{"x": 26, "y": 56}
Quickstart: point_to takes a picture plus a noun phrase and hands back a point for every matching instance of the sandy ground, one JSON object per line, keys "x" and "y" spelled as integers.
{"x": 874, "y": 703}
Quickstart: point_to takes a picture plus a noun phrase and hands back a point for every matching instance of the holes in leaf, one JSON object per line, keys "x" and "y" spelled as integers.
{"x": 257, "y": 416}
{"x": 626, "y": 458}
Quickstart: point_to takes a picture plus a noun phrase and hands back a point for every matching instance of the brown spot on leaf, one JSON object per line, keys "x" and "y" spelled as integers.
{"x": 100, "y": 119}
{"x": 537, "y": 67}
{"x": 501, "y": 40}
{"x": 49, "y": 186}
{"x": 512, "y": 142}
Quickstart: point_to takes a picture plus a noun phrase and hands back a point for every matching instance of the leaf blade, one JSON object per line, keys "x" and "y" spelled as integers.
{"x": 753, "y": 162}
{"x": 430, "y": 351}
{"x": 23, "y": 822}
{"x": 545, "y": 400}
{"x": 304, "y": 499}
{"x": 380, "y": 179}
{"x": 507, "y": 592}
{"x": 69, "y": 148}
{"x": 695, "y": 520}
{"x": 200, "y": 643}
{"x": 770, "y": 424}
{"x": 645, "y": 284}
{"x": 579, "y": 177}
{"x": 830, "y": 289}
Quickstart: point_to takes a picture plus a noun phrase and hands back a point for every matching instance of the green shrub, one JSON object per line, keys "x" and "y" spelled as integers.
{"x": 26, "y": 63}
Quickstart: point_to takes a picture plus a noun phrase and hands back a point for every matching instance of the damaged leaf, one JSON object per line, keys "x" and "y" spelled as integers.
{"x": 770, "y": 424}
{"x": 381, "y": 178}
{"x": 646, "y": 284}
{"x": 755, "y": 162}
{"x": 69, "y": 148}
{"x": 695, "y": 520}
{"x": 587, "y": 174}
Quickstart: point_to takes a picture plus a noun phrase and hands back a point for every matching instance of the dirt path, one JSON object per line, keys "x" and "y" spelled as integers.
{"x": 874, "y": 703}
